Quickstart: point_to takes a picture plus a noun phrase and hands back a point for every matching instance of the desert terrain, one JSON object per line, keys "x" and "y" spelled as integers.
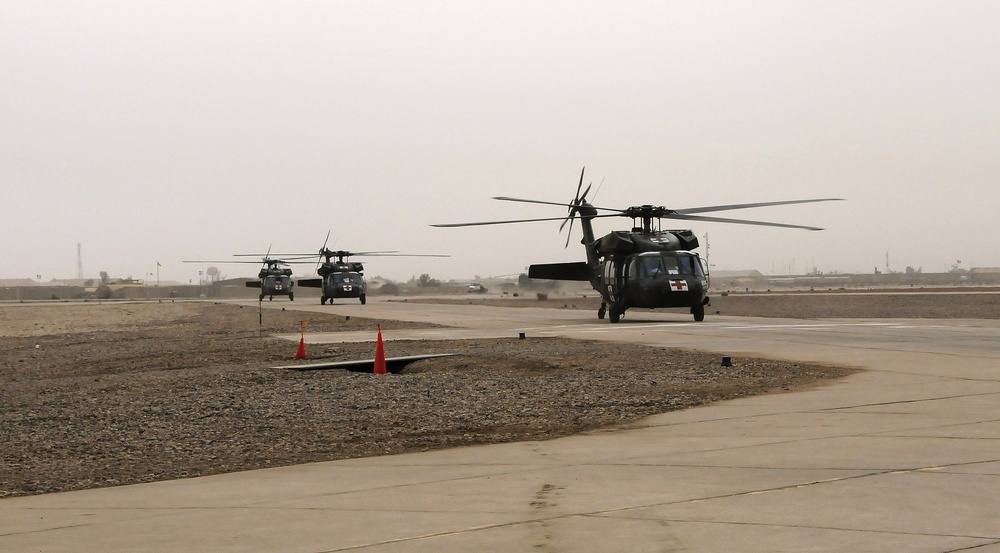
{"x": 109, "y": 393}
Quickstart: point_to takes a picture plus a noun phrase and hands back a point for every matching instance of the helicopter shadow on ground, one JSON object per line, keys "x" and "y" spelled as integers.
{"x": 650, "y": 318}
{"x": 632, "y": 320}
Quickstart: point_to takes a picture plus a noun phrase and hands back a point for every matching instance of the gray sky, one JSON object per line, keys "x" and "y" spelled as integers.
{"x": 163, "y": 131}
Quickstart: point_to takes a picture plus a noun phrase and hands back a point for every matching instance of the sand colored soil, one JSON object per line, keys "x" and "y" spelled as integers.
{"x": 101, "y": 394}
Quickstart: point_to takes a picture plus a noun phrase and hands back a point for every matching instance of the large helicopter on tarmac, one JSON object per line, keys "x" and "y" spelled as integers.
{"x": 645, "y": 267}
{"x": 339, "y": 277}
{"x": 274, "y": 278}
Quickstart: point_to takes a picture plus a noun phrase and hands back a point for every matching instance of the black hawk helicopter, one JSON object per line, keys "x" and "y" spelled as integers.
{"x": 274, "y": 278}
{"x": 339, "y": 277}
{"x": 645, "y": 267}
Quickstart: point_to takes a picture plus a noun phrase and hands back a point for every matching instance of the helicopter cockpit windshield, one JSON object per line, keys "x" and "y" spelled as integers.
{"x": 273, "y": 281}
{"x": 347, "y": 278}
{"x": 666, "y": 263}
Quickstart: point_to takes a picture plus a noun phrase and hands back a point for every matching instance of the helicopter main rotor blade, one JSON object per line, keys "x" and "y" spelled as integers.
{"x": 482, "y": 223}
{"x": 209, "y": 261}
{"x": 279, "y": 261}
{"x": 560, "y": 204}
{"x": 684, "y": 217}
{"x": 710, "y": 208}
{"x": 375, "y": 254}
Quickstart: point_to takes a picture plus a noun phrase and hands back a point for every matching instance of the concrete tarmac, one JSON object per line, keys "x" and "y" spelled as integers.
{"x": 902, "y": 457}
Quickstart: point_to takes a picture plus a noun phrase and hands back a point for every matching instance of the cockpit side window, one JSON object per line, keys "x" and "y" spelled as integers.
{"x": 690, "y": 265}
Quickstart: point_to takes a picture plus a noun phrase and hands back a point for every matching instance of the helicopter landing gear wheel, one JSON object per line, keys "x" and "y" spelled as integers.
{"x": 291, "y": 296}
{"x": 322, "y": 300}
{"x": 363, "y": 299}
{"x": 262, "y": 297}
{"x": 603, "y": 309}
{"x": 614, "y": 313}
{"x": 270, "y": 298}
{"x": 699, "y": 313}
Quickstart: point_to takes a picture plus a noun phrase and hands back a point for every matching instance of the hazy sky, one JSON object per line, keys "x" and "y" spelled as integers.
{"x": 162, "y": 131}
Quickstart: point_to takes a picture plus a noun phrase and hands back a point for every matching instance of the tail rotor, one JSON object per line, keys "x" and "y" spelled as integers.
{"x": 319, "y": 260}
{"x": 574, "y": 207}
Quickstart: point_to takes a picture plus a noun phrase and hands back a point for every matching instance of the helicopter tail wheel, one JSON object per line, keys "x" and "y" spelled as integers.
{"x": 614, "y": 313}
{"x": 363, "y": 299}
{"x": 602, "y": 310}
{"x": 699, "y": 313}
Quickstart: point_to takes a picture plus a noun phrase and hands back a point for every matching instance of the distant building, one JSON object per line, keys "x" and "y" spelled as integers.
{"x": 18, "y": 282}
{"x": 985, "y": 275}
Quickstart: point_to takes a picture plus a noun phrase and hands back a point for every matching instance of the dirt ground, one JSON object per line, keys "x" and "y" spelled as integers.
{"x": 100, "y": 394}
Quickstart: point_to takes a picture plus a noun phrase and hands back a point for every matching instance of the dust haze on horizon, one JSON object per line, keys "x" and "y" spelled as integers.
{"x": 156, "y": 132}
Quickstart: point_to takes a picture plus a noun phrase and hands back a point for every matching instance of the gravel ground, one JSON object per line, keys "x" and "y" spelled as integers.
{"x": 105, "y": 394}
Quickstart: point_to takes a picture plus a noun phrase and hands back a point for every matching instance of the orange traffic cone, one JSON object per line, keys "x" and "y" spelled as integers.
{"x": 379, "y": 353}
{"x": 301, "y": 353}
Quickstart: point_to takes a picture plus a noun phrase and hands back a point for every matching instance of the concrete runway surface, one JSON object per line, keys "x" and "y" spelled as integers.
{"x": 902, "y": 457}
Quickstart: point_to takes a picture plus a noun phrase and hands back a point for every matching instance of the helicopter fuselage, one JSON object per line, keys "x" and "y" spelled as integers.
{"x": 339, "y": 280}
{"x": 654, "y": 280}
{"x": 642, "y": 268}
{"x": 347, "y": 284}
{"x": 274, "y": 282}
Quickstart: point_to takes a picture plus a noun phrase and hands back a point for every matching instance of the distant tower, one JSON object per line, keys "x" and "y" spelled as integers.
{"x": 79, "y": 261}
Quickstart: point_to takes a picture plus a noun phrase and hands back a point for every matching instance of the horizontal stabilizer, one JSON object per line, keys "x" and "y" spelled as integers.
{"x": 560, "y": 271}
{"x": 311, "y": 282}
{"x": 253, "y": 284}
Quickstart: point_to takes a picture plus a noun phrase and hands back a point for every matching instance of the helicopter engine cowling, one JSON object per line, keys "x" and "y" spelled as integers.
{"x": 624, "y": 242}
